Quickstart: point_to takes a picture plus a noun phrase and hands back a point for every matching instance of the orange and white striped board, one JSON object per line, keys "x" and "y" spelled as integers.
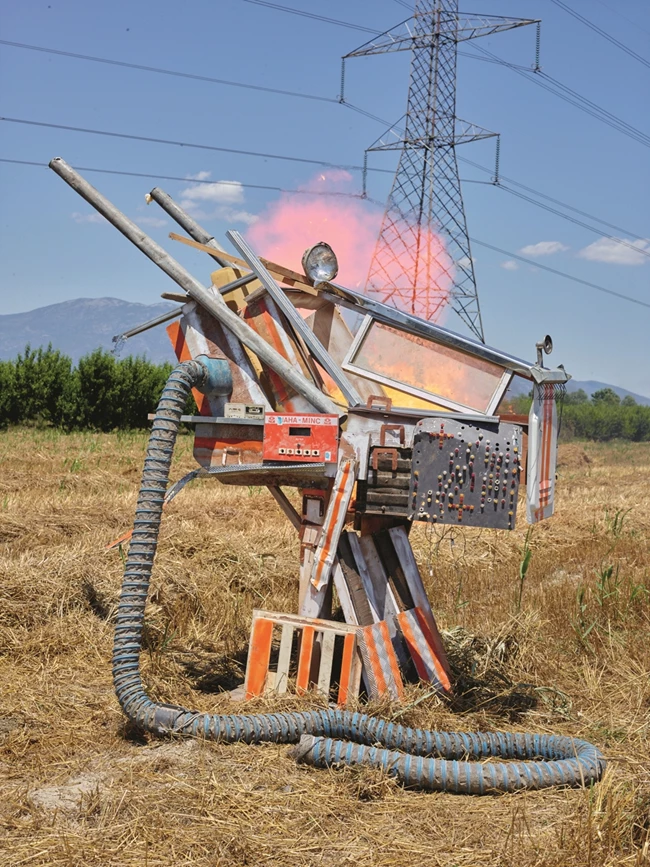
{"x": 380, "y": 661}
{"x": 334, "y": 522}
{"x": 542, "y": 454}
{"x": 424, "y": 649}
{"x": 316, "y": 661}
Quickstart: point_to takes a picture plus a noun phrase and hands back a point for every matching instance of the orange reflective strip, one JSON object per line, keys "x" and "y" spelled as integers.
{"x": 392, "y": 659}
{"x": 438, "y": 652}
{"x": 373, "y": 659}
{"x": 407, "y": 632}
{"x": 304, "y": 663}
{"x": 259, "y": 655}
{"x": 338, "y": 496}
{"x": 346, "y": 669}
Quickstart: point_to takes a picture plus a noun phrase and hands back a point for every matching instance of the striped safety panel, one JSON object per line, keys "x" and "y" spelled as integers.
{"x": 422, "y": 647}
{"x": 379, "y": 661}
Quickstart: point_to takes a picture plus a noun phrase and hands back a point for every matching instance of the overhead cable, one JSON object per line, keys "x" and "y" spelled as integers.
{"x": 346, "y": 195}
{"x": 601, "y": 32}
{"x": 573, "y": 98}
{"x": 313, "y": 15}
{"x": 560, "y": 273}
{"x": 283, "y": 157}
{"x": 162, "y": 71}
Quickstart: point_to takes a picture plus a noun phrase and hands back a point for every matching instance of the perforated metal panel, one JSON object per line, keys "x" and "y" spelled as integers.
{"x": 465, "y": 473}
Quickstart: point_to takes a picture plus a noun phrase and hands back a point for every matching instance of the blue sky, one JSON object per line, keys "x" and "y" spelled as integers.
{"x": 54, "y": 250}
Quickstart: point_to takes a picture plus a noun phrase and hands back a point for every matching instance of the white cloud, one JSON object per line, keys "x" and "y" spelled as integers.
{"x": 465, "y": 262}
{"x": 510, "y": 265}
{"x": 611, "y": 251}
{"x": 154, "y": 222}
{"x": 215, "y": 200}
{"x": 87, "y": 218}
{"x": 544, "y": 248}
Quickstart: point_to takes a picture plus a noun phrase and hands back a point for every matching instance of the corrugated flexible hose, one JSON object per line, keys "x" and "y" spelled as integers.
{"x": 433, "y": 760}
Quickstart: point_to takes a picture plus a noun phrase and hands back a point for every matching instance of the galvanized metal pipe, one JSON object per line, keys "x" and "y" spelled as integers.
{"x": 193, "y": 229}
{"x": 212, "y": 302}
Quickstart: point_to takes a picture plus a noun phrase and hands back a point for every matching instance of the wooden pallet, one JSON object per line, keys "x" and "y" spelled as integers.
{"x": 315, "y": 656}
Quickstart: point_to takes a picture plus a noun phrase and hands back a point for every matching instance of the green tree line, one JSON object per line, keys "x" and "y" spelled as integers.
{"x": 100, "y": 393}
{"x": 603, "y": 416}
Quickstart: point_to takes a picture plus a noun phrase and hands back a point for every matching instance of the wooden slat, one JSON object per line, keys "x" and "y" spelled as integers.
{"x": 284, "y": 659}
{"x": 304, "y": 662}
{"x": 411, "y": 573}
{"x": 393, "y": 567}
{"x": 362, "y": 569}
{"x": 334, "y": 522}
{"x": 326, "y": 660}
{"x": 343, "y": 592}
{"x": 347, "y": 666}
{"x": 416, "y": 587}
{"x": 362, "y": 610}
{"x": 259, "y": 654}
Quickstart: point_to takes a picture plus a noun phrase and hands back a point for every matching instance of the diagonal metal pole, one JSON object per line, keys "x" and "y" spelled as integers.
{"x": 212, "y": 302}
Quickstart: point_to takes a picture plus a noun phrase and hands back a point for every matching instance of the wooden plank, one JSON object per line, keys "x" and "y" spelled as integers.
{"x": 362, "y": 569}
{"x": 259, "y": 654}
{"x": 411, "y": 573}
{"x": 333, "y": 524}
{"x": 304, "y": 662}
{"x": 361, "y": 605}
{"x": 435, "y": 640}
{"x": 343, "y": 592}
{"x": 326, "y": 660}
{"x": 386, "y": 603}
{"x": 300, "y": 622}
{"x": 380, "y": 661}
{"x": 347, "y": 670}
{"x": 393, "y": 567}
{"x": 284, "y": 658}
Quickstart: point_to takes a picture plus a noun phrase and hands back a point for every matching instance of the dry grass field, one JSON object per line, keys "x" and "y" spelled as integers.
{"x": 79, "y": 787}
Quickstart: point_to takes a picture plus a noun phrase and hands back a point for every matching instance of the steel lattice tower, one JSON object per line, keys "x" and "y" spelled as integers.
{"x": 422, "y": 260}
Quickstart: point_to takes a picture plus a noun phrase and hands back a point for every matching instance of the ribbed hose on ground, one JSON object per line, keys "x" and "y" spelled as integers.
{"x": 424, "y": 759}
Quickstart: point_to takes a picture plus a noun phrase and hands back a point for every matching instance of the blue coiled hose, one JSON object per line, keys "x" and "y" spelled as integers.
{"x": 424, "y": 759}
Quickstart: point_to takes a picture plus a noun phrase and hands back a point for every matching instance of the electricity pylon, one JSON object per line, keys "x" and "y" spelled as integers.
{"x": 422, "y": 260}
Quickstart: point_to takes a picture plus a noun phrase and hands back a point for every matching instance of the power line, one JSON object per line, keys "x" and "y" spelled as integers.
{"x": 183, "y": 144}
{"x": 601, "y": 32}
{"x": 162, "y": 71}
{"x": 313, "y": 15}
{"x": 560, "y": 273}
{"x": 551, "y": 199}
{"x": 190, "y": 180}
{"x": 304, "y": 160}
{"x": 574, "y": 99}
{"x": 187, "y": 180}
{"x": 156, "y": 176}
{"x": 618, "y": 12}
{"x": 551, "y": 210}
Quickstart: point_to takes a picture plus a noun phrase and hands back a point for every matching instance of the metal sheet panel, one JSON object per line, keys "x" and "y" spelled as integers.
{"x": 465, "y": 473}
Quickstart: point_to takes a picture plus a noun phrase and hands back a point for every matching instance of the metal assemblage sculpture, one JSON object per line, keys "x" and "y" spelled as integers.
{"x": 393, "y": 424}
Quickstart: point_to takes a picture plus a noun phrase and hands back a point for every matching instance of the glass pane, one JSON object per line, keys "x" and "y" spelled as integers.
{"x": 422, "y": 364}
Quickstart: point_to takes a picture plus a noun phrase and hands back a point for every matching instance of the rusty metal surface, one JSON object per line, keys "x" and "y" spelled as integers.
{"x": 465, "y": 474}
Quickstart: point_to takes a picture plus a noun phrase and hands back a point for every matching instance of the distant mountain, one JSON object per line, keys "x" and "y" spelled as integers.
{"x": 521, "y": 386}
{"x": 77, "y": 327}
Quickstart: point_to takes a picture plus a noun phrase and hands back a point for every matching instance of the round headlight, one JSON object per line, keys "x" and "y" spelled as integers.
{"x": 319, "y": 263}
